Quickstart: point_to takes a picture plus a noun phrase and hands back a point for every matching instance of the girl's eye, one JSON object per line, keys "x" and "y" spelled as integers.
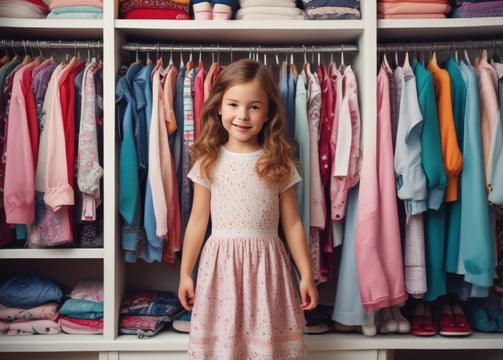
{"x": 232, "y": 105}
{"x": 254, "y": 107}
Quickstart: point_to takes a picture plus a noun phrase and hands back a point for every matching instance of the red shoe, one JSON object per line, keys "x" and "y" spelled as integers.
{"x": 453, "y": 325}
{"x": 421, "y": 323}
{"x": 422, "y": 326}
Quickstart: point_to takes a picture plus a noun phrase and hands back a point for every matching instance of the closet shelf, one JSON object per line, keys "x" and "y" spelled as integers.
{"x": 439, "y": 29}
{"x": 242, "y": 31}
{"x": 51, "y": 253}
{"x": 40, "y": 29}
{"x": 175, "y": 342}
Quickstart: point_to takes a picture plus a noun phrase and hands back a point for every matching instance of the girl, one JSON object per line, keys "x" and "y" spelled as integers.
{"x": 245, "y": 305}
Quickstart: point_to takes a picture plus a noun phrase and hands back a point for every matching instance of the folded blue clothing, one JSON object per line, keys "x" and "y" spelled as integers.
{"x": 77, "y": 9}
{"x": 29, "y": 290}
{"x": 82, "y": 309}
{"x": 154, "y": 303}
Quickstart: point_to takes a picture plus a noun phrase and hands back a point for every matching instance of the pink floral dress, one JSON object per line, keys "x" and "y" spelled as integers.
{"x": 246, "y": 306}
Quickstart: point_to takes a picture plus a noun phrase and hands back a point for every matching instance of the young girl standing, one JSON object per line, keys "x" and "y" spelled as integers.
{"x": 245, "y": 305}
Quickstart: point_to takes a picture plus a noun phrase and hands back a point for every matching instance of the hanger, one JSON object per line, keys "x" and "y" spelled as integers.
{"x": 386, "y": 63}
{"x": 406, "y": 63}
{"x": 342, "y": 66}
{"x": 170, "y": 61}
{"x": 466, "y": 57}
{"x": 456, "y": 57}
{"x": 306, "y": 66}
{"x": 434, "y": 54}
{"x": 39, "y": 50}
{"x": 182, "y": 62}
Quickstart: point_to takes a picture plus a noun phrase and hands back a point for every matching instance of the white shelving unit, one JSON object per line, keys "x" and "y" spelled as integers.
{"x": 70, "y": 265}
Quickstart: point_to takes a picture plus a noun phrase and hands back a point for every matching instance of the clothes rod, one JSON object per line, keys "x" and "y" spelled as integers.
{"x": 78, "y": 44}
{"x": 228, "y": 48}
{"x": 441, "y": 46}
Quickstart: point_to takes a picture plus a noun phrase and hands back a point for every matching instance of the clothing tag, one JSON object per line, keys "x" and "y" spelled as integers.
{"x": 88, "y": 208}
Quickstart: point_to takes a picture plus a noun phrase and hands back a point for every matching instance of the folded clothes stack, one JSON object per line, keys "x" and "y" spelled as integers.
{"x": 82, "y": 312}
{"x": 145, "y": 313}
{"x": 23, "y": 9}
{"x": 29, "y": 305}
{"x": 476, "y": 8}
{"x": 412, "y": 9}
{"x": 154, "y": 9}
{"x": 332, "y": 9}
{"x": 269, "y": 10}
{"x": 75, "y": 9}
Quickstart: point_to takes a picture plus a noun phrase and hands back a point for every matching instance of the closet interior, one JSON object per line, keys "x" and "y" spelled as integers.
{"x": 118, "y": 42}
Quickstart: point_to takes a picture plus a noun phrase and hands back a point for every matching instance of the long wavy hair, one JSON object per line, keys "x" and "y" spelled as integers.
{"x": 275, "y": 165}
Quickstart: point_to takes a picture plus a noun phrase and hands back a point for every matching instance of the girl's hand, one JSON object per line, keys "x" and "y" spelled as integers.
{"x": 186, "y": 292}
{"x": 309, "y": 295}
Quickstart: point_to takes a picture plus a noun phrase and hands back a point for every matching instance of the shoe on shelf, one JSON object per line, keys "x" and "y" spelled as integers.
{"x": 385, "y": 321}
{"x": 453, "y": 322}
{"x": 402, "y": 322}
{"x": 422, "y": 325}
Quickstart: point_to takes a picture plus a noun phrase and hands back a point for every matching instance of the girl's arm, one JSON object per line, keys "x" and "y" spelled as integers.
{"x": 297, "y": 243}
{"x": 192, "y": 242}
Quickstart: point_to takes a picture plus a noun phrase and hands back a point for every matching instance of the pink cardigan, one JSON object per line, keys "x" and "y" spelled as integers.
{"x": 377, "y": 237}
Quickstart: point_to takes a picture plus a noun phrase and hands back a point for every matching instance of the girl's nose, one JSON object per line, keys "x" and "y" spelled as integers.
{"x": 242, "y": 113}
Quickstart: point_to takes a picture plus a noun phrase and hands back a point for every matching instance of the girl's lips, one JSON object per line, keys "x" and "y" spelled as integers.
{"x": 241, "y": 126}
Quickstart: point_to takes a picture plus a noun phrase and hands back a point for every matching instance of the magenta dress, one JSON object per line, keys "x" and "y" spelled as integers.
{"x": 246, "y": 304}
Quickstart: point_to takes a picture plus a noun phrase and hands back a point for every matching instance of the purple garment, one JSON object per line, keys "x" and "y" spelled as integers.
{"x": 478, "y": 9}
{"x": 39, "y": 85}
{"x": 461, "y": 2}
{"x": 351, "y": 4}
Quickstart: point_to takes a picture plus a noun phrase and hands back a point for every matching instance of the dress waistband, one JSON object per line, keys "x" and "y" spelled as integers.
{"x": 244, "y": 232}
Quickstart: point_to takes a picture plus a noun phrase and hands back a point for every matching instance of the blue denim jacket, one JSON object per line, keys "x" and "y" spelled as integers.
{"x": 129, "y": 189}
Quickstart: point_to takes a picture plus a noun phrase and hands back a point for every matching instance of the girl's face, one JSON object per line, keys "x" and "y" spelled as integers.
{"x": 244, "y": 112}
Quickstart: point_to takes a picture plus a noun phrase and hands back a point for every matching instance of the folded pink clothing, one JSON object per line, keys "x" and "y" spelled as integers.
{"x": 80, "y": 326}
{"x": 4, "y": 326}
{"x": 81, "y": 323}
{"x": 408, "y": 7}
{"x": 69, "y": 330}
{"x": 47, "y": 311}
{"x": 31, "y": 327}
{"x": 88, "y": 290}
{"x": 61, "y": 3}
{"x": 141, "y": 321}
